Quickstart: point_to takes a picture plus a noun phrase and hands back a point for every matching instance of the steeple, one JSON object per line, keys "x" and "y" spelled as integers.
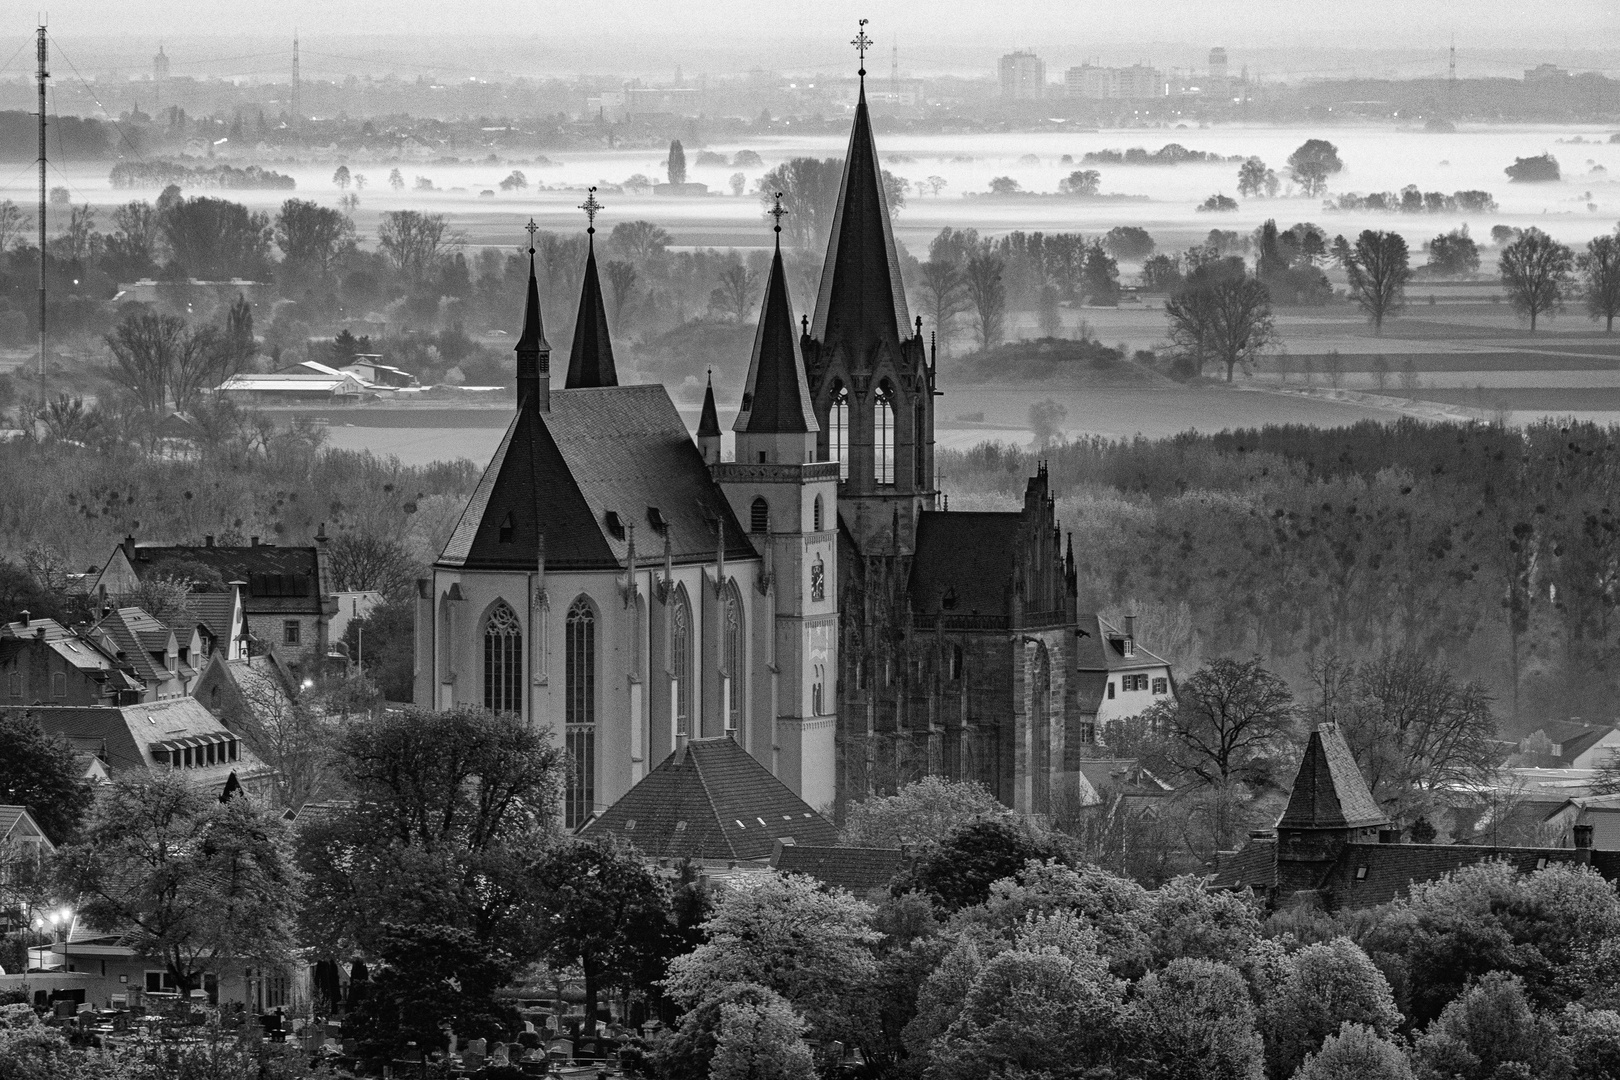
{"x": 776, "y": 419}
{"x": 533, "y": 350}
{"x": 590, "y": 362}
{"x": 708, "y": 432}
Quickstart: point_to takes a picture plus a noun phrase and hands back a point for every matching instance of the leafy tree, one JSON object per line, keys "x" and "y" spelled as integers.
{"x": 1220, "y": 313}
{"x": 1255, "y": 180}
{"x": 1114, "y": 908}
{"x": 621, "y": 283}
{"x": 1161, "y": 273}
{"x": 312, "y": 236}
{"x": 921, "y": 813}
{"x": 38, "y": 771}
{"x": 1046, "y": 421}
{"x": 383, "y": 643}
{"x": 762, "y": 1039}
{"x": 1454, "y": 253}
{"x": 447, "y": 810}
{"x": 1004, "y": 185}
{"x": 217, "y": 240}
{"x": 987, "y": 294}
{"x": 639, "y": 241}
{"x": 1600, "y": 271}
{"x": 1128, "y": 242}
{"x": 1046, "y": 1007}
{"x": 1325, "y": 986}
{"x": 1081, "y": 182}
{"x": 1194, "y": 1020}
{"x": 1356, "y": 1053}
{"x": 1541, "y": 169}
{"x": 192, "y": 882}
{"x": 1489, "y": 1032}
{"x": 131, "y": 250}
{"x": 1217, "y": 204}
{"x": 1592, "y": 1042}
{"x": 433, "y": 978}
{"x": 1100, "y": 278}
{"x": 395, "y": 180}
{"x": 514, "y": 181}
{"x": 787, "y": 934}
{"x": 1228, "y": 717}
{"x": 677, "y": 163}
{"x": 13, "y": 225}
{"x": 1379, "y": 268}
{"x": 1186, "y": 920}
{"x": 341, "y": 177}
{"x": 1312, "y": 164}
{"x": 959, "y": 872}
{"x": 606, "y": 913}
{"x": 1535, "y": 271}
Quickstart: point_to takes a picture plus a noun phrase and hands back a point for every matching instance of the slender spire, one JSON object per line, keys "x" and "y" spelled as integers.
{"x": 860, "y": 281}
{"x": 533, "y": 351}
{"x": 709, "y": 422}
{"x": 776, "y": 399}
{"x": 590, "y": 362}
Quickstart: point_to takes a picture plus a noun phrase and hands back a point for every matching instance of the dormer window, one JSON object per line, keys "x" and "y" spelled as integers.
{"x": 655, "y": 518}
{"x": 615, "y": 525}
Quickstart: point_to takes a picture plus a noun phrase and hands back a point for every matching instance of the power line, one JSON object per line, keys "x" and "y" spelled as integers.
{"x": 116, "y": 127}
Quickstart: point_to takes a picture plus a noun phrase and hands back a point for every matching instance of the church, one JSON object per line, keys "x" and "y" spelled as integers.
{"x": 617, "y": 582}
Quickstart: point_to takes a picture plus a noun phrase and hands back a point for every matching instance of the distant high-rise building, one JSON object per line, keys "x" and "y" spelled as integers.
{"x": 1545, "y": 73}
{"x": 1023, "y": 76}
{"x": 160, "y": 66}
{"x": 1134, "y": 83}
{"x": 1217, "y": 63}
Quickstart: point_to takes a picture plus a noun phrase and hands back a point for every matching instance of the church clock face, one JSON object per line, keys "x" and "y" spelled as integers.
{"x": 818, "y": 580}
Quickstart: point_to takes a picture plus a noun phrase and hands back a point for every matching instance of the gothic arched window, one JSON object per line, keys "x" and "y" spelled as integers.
{"x": 759, "y": 516}
{"x": 680, "y": 663}
{"x": 734, "y": 660}
{"x": 503, "y": 660}
{"x": 883, "y": 436}
{"x": 838, "y": 431}
{"x": 816, "y": 516}
{"x": 579, "y": 712}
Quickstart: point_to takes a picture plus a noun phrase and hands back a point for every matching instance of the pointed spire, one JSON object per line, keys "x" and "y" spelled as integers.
{"x": 709, "y": 422}
{"x": 776, "y": 399}
{"x": 590, "y": 362}
{"x": 533, "y": 350}
{"x": 860, "y": 281}
{"x": 1329, "y": 791}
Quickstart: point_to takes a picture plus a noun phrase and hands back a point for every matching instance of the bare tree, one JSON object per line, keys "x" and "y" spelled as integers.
{"x": 13, "y": 224}
{"x": 639, "y": 241}
{"x": 360, "y": 562}
{"x": 143, "y": 347}
{"x": 1535, "y": 271}
{"x": 621, "y": 282}
{"x": 1221, "y": 313}
{"x": 311, "y": 236}
{"x": 809, "y": 188}
{"x": 413, "y": 242}
{"x": 735, "y": 294}
{"x": 292, "y": 735}
{"x": 1379, "y": 267}
{"x": 1600, "y": 267}
{"x": 987, "y": 294}
{"x": 1226, "y": 719}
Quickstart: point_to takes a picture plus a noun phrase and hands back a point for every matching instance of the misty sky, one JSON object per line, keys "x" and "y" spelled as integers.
{"x": 936, "y": 36}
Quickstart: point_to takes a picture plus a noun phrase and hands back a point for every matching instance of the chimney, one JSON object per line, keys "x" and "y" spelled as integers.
{"x": 253, "y": 541}
{"x": 1583, "y": 844}
{"x": 1389, "y": 836}
{"x": 24, "y": 613}
{"x": 208, "y": 541}
{"x": 320, "y": 534}
{"x": 1130, "y": 635}
{"x": 39, "y": 632}
{"x": 129, "y": 548}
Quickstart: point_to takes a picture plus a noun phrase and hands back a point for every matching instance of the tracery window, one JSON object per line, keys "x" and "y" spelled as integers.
{"x": 883, "y": 436}
{"x": 503, "y": 660}
{"x": 838, "y": 432}
{"x": 734, "y": 661}
{"x": 680, "y": 663}
{"x": 579, "y": 712}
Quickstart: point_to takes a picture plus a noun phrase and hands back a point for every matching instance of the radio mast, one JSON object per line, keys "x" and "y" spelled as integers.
{"x": 42, "y": 76}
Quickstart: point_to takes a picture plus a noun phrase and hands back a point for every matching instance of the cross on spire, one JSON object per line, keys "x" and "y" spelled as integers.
{"x": 776, "y": 212}
{"x": 862, "y": 43}
{"x": 532, "y": 228}
{"x": 591, "y": 208}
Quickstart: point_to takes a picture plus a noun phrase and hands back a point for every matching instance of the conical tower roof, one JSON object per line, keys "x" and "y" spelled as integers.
{"x": 776, "y": 399}
{"x": 533, "y": 350}
{"x": 1329, "y": 790}
{"x": 533, "y": 338}
{"x": 860, "y": 281}
{"x": 709, "y": 422}
{"x": 590, "y": 363}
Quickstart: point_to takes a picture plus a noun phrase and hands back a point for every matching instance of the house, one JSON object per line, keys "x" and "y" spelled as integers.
{"x": 369, "y": 368}
{"x": 294, "y": 386}
{"x": 1570, "y": 744}
{"x": 161, "y": 659}
{"x": 1118, "y": 677}
{"x": 178, "y": 733}
{"x": 350, "y": 605}
{"x": 44, "y": 662}
{"x": 1335, "y": 847}
{"x": 18, "y": 828}
{"x": 710, "y": 801}
{"x": 115, "y": 975}
{"x": 1600, "y": 812}
{"x": 287, "y": 600}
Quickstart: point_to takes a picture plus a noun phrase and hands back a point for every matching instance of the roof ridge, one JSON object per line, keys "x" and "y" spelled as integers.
{"x": 709, "y": 800}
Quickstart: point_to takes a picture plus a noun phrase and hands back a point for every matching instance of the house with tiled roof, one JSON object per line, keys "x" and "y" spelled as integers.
{"x": 176, "y": 733}
{"x": 43, "y": 662}
{"x": 711, "y": 802}
{"x": 866, "y": 872}
{"x": 166, "y": 662}
{"x": 285, "y": 594}
{"x": 1569, "y": 744}
{"x": 1335, "y": 847}
{"x": 1118, "y": 676}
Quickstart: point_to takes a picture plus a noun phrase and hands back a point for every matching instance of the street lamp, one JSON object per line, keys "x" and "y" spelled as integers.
{"x": 56, "y": 923}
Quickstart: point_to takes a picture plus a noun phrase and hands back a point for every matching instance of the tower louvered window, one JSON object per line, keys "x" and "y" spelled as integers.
{"x": 503, "y": 661}
{"x": 838, "y": 432}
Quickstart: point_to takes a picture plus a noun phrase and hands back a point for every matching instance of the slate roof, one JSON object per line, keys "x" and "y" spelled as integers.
{"x": 964, "y": 561}
{"x": 125, "y": 736}
{"x": 709, "y": 422}
{"x": 1100, "y": 646}
{"x": 1125, "y": 776}
{"x": 1090, "y": 688}
{"x": 137, "y": 634}
{"x": 259, "y": 566}
{"x": 1254, "y": 866}
{"x": 1329, "y": 790}
{"x": 214, "y": 611}
{"x": 776, "y": 398}
{"x": 1562, "y": 731}
{"x": 590, "y": 362}
{"x": 711, "y": 800}
{"x": 1392, "y": 869}
{"x": 860, "y": 281}
{"x": 623, "y": 449}
{"x": 858, "y": 869}
{"x": 1578, "y": 745}
{"x": 83, "y": 653}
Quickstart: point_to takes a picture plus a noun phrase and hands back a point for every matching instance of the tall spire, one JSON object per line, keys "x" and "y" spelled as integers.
{"x": 860, "y": 281}
{"x": 533, "y": 350}
{"x": 776, "y": 399}
{"x": 709, "y": 422}
{"x": 590, "y": 362}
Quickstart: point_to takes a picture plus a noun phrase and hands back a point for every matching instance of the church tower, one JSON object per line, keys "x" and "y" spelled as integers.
{"x": 590, "y": 363}
{"x": 787, "y": 498}
{"x": 870, "y": 380}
